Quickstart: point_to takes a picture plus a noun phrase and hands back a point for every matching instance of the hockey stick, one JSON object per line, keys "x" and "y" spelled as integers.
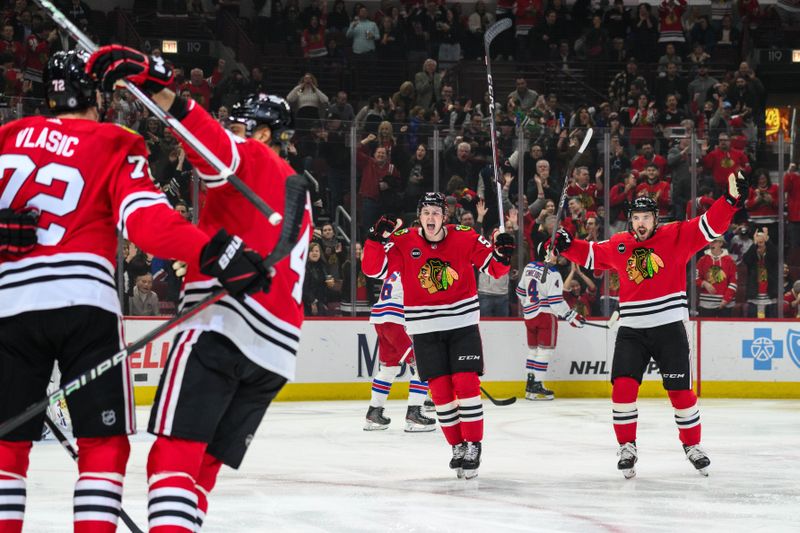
{"x": 563, "y": 199}
{"x": 493, "y": 31}
{"x": 607, "y": 324}
{"x": 67, "y": 445}
{"x": 507, "y": 401}
{"x": 188, "y": 137}
{"x": 296, "y": 200}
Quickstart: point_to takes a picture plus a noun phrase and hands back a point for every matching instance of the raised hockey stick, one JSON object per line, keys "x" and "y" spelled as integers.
{"x": 507, "y": 401}
{"x": 67, "y": 445}
{"x": 563, "y": 199}
{"x": 493, "y": 31}
{"x": 296, "y": 200}
{"x": 86, "y": 43}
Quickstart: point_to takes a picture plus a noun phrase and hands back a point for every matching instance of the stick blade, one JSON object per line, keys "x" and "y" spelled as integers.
{"x": 496, "y": 29}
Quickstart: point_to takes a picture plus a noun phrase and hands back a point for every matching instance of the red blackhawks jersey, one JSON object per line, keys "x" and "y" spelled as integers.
{"x": 652, "y": 289}
{"x": 88, "y": 180}
{"x": 439, "y": 288}
{"x": 719, "y": 271}
{"x": 265, "y": 327}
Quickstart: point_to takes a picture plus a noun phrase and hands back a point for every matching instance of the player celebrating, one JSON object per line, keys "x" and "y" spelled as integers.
{"x": 394, "y": 348}
{"x": 651, "y": 263}
{"x": 442, "y": 312}
{"x": 68, "y": 184}
{"x": 231, "y": 360}
{"x": 542, "y": 304}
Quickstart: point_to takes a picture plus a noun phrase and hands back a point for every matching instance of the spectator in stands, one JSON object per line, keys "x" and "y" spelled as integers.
{"x": 378, "y": 175}
{"x": 232, "y": 89}
{"x": 671, "y": 83}
{"x": 589, "y": 194}
{"x": 541, "y": 187}
{"x": 762, "y": 205}
{"x": 741, "y": 241}
{"x": 575, "y": 295}
{"x": 364, "y": 33}
{"x": 703, "y": 33}
{"x": 671, "y": 25}
{"x": 620, "y": 197}
{"x": 716, "y": 281}
{"x": 371, "y": 115}
{"x": 449, "y": 34}
{"x": 198, "y": 87}
{"x": 678, "y": 161}
{"x": 317, "y": 283}
{"x": 76, "y": 10}
{"x": 338, "y": 19}
{"x": 568, "y": 145}
{"x": 366, "y": 288}
{"x": 670, "y": 56}
{"x": 791, "y": 301}
{"x": 618, "y": 163}
{"x": 391, "y": 45}
{"x": 724, "y": 161}
{"x": 670, "y": 117}
{"x": 762, "y": 276}
{"x": 616, "y": 20}
{"x": 697, "y": 56}
{"x": 699, "y": 88}
{"x": 622, "y": 82}
{"x": 643, "y": 35}
{"x": 457, "y": 162}
{"x": 478, "y": 21}
{"x": 217, "y": 74}
{"x": 647, "y": 155}
{"x": 595, "y": 40}
{"x": 727, "y": 36}
{"x": 657, "y": 189}
{"x": 342, "y": 108}
{"x": 308, "y": 102}
{"x": 791, "y": 187}
{"x": 313, "y": 39}
{"x": 10, "y": 46}
{"x": 405, "y": 97}
{"x": 789, "y": 13}
{"x": 419, "y": 179}
{"x": 741, "y": 97}
{"x": 428, "y": 84}
{"x": 143, "y": 301}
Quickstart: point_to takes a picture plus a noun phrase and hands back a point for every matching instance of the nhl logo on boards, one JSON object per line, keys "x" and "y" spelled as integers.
{"x": 108, "y": 417}
{"x": 621, "y": 247}
{"x": 416, "y": 253}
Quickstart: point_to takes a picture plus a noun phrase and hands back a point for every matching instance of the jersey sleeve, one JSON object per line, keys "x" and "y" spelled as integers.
{"x": 522, "y": 287}
{"x": 554, "y": 292}
{"x": 696, "y": 233}
{"x": 144, "y": 215}
{"x": 590, "y": 255}
{"x": 377, "y": 259}
{"x": 219, "y": 141}
{"x": 484, "y": 258}
{"x": 730, "y": 272}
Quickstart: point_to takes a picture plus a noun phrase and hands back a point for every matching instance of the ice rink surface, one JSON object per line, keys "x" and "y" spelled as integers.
{"x": 547, "y": 466}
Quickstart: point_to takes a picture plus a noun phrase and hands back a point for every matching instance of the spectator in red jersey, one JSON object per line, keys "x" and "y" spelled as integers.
{"x": 724, "y": 161}
{"x": 217, "y": 74}
{"x": 313, "y": 39}
{"x": 791, "y": 302}
{"x": 701, "y": 203}
{"x": 377, "y": 175}
{"x": 716, "y": 281}
{"x": 657, "y": 189}
{"x": 37, "y": 52}
{"x": 198, "y": 87}
{"x": 575, "y": 223}
{"x": 575, "y": 295}
{"x": 647, "y": 155}
{"x": 620, "y": 197}
{"x": 762, "y": 205}
{"x": 791, "y": 187}
{"x": 589, "y": 194}
{"x": 762, "y": 276}
{"x": 8, "y": 45}
{"x": 11, "y": 77}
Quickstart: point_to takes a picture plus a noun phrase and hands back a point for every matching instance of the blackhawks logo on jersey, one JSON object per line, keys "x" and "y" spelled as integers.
{"x": 715, "y": 275}
{"x": 643, "y": 264}
{"x": 436, "y": 275}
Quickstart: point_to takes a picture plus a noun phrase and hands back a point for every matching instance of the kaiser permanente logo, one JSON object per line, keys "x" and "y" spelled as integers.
{"x": 762, "y": 348}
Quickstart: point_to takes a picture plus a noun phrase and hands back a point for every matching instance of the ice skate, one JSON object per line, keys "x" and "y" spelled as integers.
{"x": 534, "y": 390}
{"x": 376, "y": 420}
{"x": 428, "y": 406}
{"x": 697, "y": 456}
{"x": 416, "y": 422}
{"x": 627, "y": 459}
{"x": 458, "y": 458}
{"x": 472, "y": 460}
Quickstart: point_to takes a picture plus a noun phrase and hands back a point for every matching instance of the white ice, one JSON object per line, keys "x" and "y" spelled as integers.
{"x": 547, "y": 466}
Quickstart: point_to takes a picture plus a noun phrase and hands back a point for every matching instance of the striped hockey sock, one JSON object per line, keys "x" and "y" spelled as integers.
{"x": 417, "y": 392}
{"x": 98, "y": 492}
{"x": 538, "y": 365}
{"x": 470, "y": 408}
{"x": 626, "y": 415}
{"x": 382, "y": 385}
{"x": 687, "y": 415}
{"x": 13, "y": 469}
{"x": 446, "y": 409}
{"x": 171, "y": 503}
{"x": 205, "y": 483}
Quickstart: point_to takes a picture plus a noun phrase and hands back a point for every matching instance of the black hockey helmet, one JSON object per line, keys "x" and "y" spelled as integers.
{"x": 435, "y": 199}
{"x": 643, "y": 204}
{"x": 264, "y": 109}
{"x": 69, "y": 87}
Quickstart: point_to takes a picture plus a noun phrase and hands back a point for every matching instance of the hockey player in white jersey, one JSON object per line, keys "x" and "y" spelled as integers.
{"x": 394, "y": 349}
{"x": 542, "y": 304}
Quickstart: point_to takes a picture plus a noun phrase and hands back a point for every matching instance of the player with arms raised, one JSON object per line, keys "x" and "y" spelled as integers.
{"x": 229, "y": 362}
{"x": 651, "y": 263}
{"x": 67, "y": 185}
{"x": 442, "y": 312}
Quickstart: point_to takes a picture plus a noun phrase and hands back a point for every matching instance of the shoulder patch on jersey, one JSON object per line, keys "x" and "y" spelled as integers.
{"x": 621, "y": 247}
{"x": 461, "y": 227}
{"x": 401, "y": 232}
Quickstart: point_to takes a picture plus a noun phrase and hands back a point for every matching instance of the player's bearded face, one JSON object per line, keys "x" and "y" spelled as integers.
{"x": 643, "y": 225}
{"x": 431, "y": 220}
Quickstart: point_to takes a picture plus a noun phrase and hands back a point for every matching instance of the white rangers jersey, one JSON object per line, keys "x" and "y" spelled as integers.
{"x": 389, "y": 307}
{"x": 537, "y": 297}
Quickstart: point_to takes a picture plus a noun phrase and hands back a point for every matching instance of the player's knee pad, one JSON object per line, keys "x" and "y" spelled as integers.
{"x": 14, "y": 458}
{"x": 624, "y": 390}
{"x": 467, "y": 384}
{"x": 103, "y": 454}
{"x": 545, "y": 353}
{"x": 441, "y": 389}
{"x": 387, "y": 373}
{"x": 682, "y": 399}
{"x": 208, "y": 472}
{"x": 171, "y": 454}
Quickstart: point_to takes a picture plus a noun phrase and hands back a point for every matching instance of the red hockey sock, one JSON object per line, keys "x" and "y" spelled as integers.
{"x": 205, "y": 483}
{"x": 470, "y": 408}
{"x": 13, "y": 469}
{"x": 687, "y": 415}
{"x": 623, "y": 406}
{"x": 98, "y": 491}
{"x": 172, "y": 468}
{"x": 444, "y": 397}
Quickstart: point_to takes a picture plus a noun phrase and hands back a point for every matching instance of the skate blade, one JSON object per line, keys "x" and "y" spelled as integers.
{"x": 419, "y": 428}
{"x": 372, "y": 426}
{"x": 429, "y": 409}
{"x": 459, "y": 473}
{"x": 703, "y": 471}
{"x": 470, "y": 474}
{"x": 538, "y": 397}
{"x": 628, "y": 472}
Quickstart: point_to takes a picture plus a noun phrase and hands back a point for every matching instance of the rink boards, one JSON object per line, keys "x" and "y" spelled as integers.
{"x": 338, "y": 357}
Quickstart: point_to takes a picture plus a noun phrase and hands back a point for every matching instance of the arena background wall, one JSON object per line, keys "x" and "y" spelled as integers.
{"x": 337, "y": 358}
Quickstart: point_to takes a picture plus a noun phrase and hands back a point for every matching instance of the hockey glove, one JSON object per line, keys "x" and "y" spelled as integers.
{"x": 381, "y": 230}
{"x": 575, "y": 319}
{"x": 738, "y": 190}
{"x": 18, "y": 230}
{"x": 114, "y": 62}
{"x": 504, "y": 247}
{"x": 563, "y": 241}
{"x": 237, "y": 268}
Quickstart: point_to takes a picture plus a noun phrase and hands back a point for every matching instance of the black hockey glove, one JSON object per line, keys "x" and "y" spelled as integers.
{"x": 114, "y": 62}
{"x": 563, "y": 240}
{"x": 738, "y": 190}
{"x": 18, "y": 230}
{"x": 575, "y": 319}
{"x": 381, "y": 230}
{"x": 504, "y": 247}
{"x": 237, "y": 268}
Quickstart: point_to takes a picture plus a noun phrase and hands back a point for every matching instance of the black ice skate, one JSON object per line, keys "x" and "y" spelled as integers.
{"x": 534, "y": 390}
{"x": 428, "y": 406}
{"x": 472, "y": 460}
{"x": 697, "y": 456}
{"x": 627, "y": 459}
{"x": 417, "y": 422}
{"x": 375, "y": 419}
{"x": 458, "y": 458}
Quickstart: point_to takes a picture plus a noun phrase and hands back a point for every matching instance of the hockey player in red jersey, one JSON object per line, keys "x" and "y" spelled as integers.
{"x": 67, "y": 185}
{"x": 229, "y": 362}
{"x": 651, "y": 262}
{"x": 442, "y": 312}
